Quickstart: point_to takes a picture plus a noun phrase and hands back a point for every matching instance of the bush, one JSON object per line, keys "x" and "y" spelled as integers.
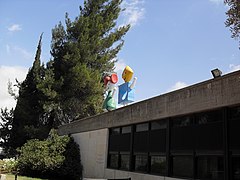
{"x": 8, "y": 165}
{"x": 54, "y": 158}
{"x": 71, "y": 166}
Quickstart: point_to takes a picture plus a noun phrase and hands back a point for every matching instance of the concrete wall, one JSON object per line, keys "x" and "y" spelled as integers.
{"x": 93, "y": 149}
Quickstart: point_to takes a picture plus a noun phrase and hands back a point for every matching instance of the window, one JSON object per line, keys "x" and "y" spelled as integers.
{"x": 192, "y": 147}
{"x": 141, "y": 163}
{"x": 155, "y": 125}
{"x": 115, "y": 131}
{"x": 119, "y": 142}
{"x": 124, "y": 161}
{"x": 234, "y": 113}
{"x": 158, "y": 165}
{"x": 113, "y": 161}
{"x": 182, "y": 121}
{"x": 140, "y": 142}
{"x": 209, "y": 117}
{"x": 142, "y": 127}
{"x": 210, "y": 167}
{"x": 182, "y": 133}
{"x": 182, "y": 166}
{"x": 157, "y": 141}
{"x": 126, "y": 129}
{"x": 236, "y": 168}
{"x": 234, "y": 126}
{"x": 205, "y": 139}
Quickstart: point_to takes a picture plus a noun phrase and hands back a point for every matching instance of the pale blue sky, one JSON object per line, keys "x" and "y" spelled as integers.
{"x": 171, "y": 43}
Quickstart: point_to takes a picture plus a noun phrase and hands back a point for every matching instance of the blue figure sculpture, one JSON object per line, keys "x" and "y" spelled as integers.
{"x": 126, "y": 90}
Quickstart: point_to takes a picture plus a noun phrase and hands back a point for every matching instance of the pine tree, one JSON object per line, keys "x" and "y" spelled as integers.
{"x": 233, "y": 20}
{"x": 52, "y": 116}
{"x": 26, "y": 124}
{"x": 81, "y": 53}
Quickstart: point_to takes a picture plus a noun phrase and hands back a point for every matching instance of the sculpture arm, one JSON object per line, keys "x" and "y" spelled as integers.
{"x": 133, "y": 83}
{"x": 114, "y": 91}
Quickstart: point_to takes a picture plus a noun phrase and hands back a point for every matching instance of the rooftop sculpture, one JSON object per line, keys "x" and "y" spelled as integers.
{"x": 125, "y": 90}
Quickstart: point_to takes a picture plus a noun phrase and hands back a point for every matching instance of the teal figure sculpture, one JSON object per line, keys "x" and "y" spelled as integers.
{"x": 110, "y": 80}
{"x": 109, "y": 103}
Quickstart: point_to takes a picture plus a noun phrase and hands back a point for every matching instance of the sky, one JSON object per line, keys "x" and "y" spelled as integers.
{"x": 171, "y": 44}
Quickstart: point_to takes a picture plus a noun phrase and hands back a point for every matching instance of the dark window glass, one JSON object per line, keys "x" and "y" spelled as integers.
{"x": 158, "y": 165}
{"x": 182, "y": 138}
{"x": 124, "y": 159}
{"x": 157, "y": 141}
{"x": 236, "y": 168}
{"x": 158, "y": 125}
{"x": 141, "y": 163}
{"x": 140, "y": 143}
{"x": 124, "y": 142}
{"x": 113, "y": 161}
{"x": 209, "y": 117}
{"x": 210, "y": 167}
{"x": 234, "y": 134}
{"x": 142, "y": 127}
{"x": 114, "y": 143}
{"x": 205, "y": 139}
{"x": 115, "y": 131}
{"x": 182, "y": 166}
{"x": 234, "y": 113}
{"x": 126, "y": 129}
{"x": 182, "y": 121}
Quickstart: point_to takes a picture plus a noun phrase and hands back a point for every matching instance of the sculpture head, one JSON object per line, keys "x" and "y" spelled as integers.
{"x": 127, "y": 74}
{"x": 110, "y": 80}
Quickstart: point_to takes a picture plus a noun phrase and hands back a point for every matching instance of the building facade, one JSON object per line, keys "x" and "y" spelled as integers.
{"x": 191, "y": 133}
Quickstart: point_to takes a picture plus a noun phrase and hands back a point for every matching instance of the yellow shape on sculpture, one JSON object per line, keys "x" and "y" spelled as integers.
{"x": 127, "y": 74}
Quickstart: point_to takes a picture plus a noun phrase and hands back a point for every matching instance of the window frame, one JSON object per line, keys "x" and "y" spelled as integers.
{"x": 208, "y": 156}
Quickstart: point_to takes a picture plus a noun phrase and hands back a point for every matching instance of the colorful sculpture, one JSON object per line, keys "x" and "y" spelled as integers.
{"x": 126, "y": 90}
{"x": 110, "y": 79}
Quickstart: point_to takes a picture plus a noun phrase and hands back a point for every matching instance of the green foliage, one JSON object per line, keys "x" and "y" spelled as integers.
{"x": 82, "y": 52}
{"x": 43, "y": 155}
{"x": 9, "y": 165}
{"x": 55, "y": 157}
{"x": 233, "y": 20}
{"x": 71, "y": 166}
{"x": 6, "y": 120}
{"x": 26, "y": 122}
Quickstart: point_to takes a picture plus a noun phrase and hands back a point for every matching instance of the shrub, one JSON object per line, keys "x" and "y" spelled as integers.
{"x": 56, "y": 157}
{"x": 8, "y": 165}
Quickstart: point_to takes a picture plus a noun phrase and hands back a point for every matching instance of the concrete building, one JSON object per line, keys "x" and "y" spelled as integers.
{"x": 191, "y": 133}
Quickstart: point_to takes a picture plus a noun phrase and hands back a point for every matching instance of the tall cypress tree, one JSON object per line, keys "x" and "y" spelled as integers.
{"x": 81, "y": 52}
{"x": 28, "y": 108}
